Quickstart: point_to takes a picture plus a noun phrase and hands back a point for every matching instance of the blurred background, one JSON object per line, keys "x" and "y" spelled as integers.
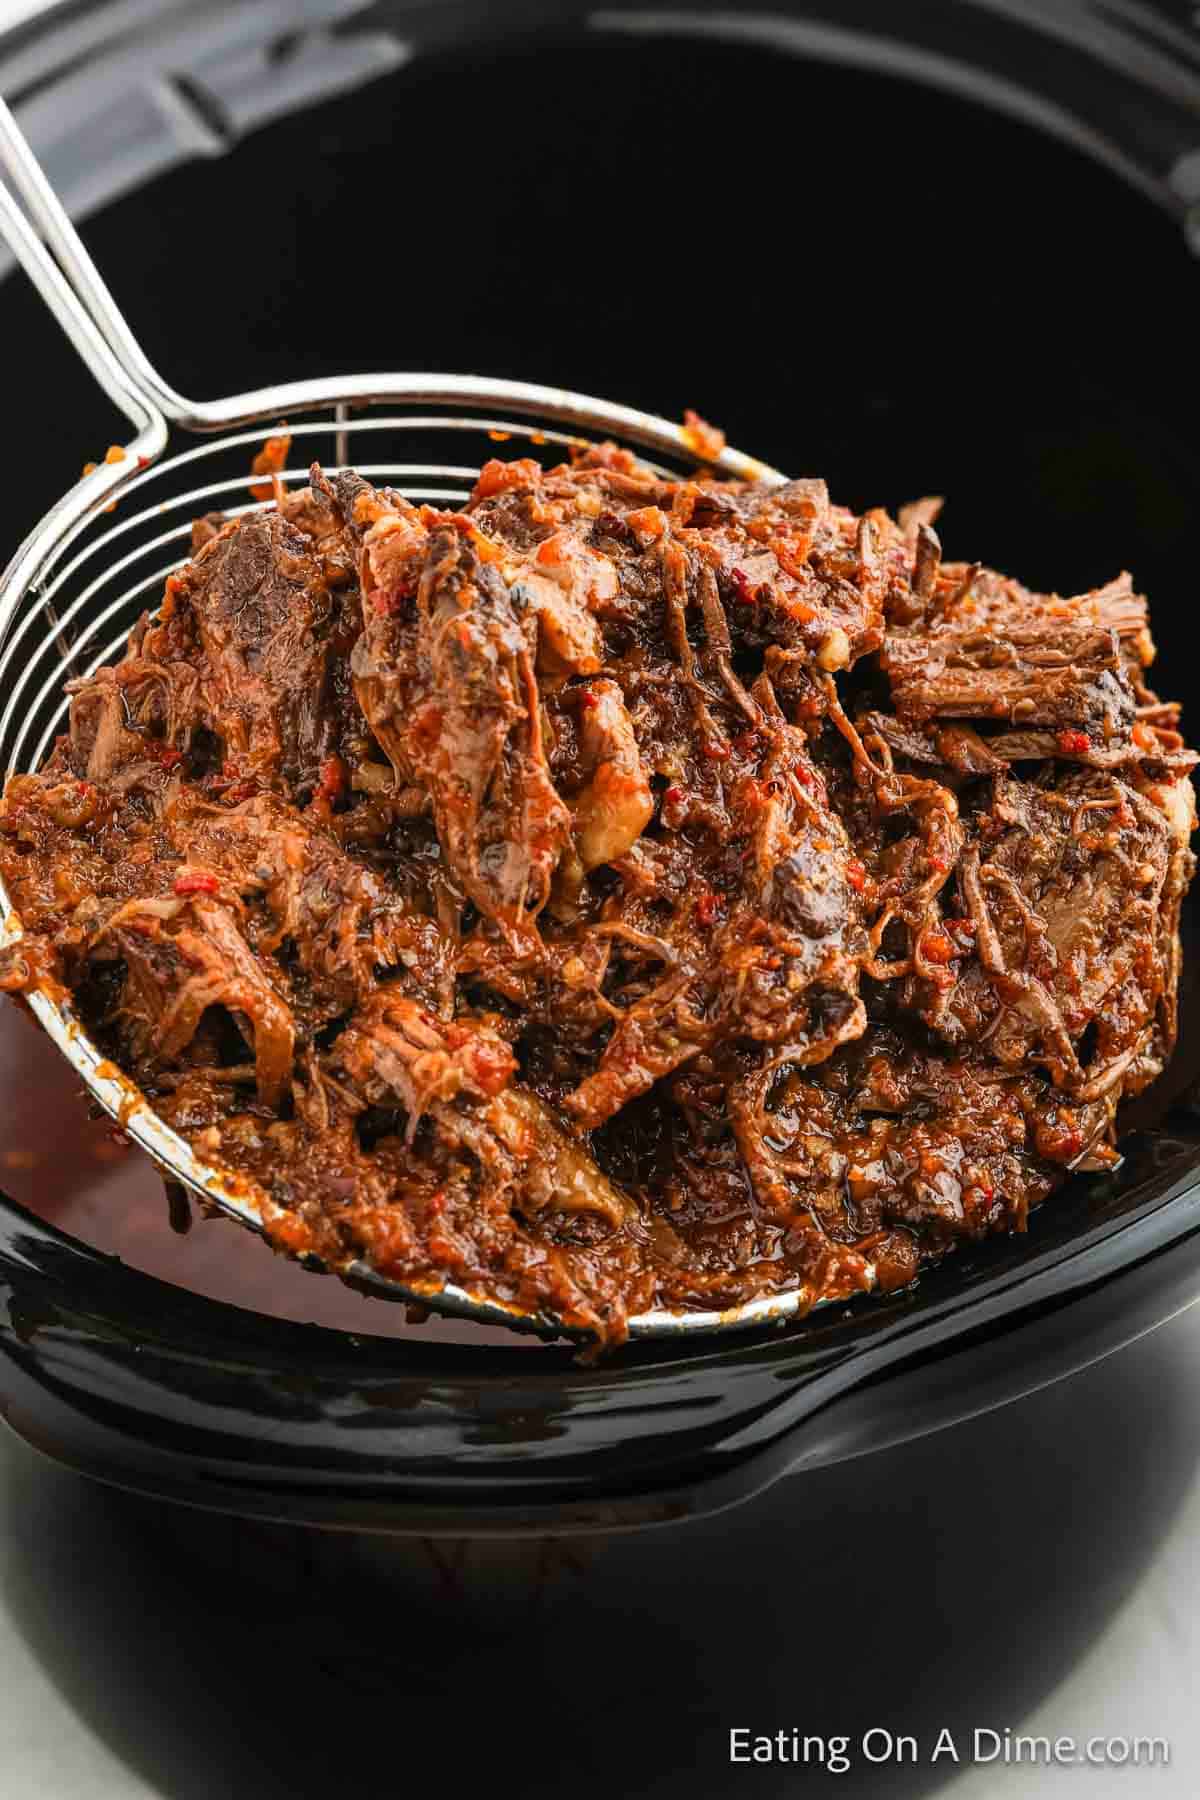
{"x": 949, "y": 253}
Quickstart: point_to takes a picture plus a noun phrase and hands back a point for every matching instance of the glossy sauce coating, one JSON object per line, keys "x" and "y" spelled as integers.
{"x": 622, "y": 892}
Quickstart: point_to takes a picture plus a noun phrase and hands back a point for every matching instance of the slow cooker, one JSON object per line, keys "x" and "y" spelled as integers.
{"x": 946, "y": 251}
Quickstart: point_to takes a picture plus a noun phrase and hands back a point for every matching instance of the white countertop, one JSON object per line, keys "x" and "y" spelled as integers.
{"x": 1035, "y": 1570}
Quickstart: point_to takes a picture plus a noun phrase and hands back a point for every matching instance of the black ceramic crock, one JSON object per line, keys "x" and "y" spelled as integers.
{"x": 828, "y": 230}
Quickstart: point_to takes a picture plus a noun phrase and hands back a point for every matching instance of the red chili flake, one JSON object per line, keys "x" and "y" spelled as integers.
{"x": 170, "y": 759}
{"x": 388, "y": 601}
{"x": 986, "y": 1189}
{"x": 1073, "y": 743}
{"x": 804, "y": 776}
{"x": 745, "y": 742}
{"x": 937, "y": 948}
{"x": 708, "y": 908}
{"x": 588, "y": 699}
{"x": 716, "y": 752}
{"x": 745, "y": 590}
{"x": 856, "y": 875}
{"x": 233, "y": 784}
{"x": 83, "y": 787}
{"x": 674, "y": 796}
{"x": 963, "y": 927}
{"x": 939, "y": 863}
{"x": 333, "y": 779}
{"x": 196, "y": 883}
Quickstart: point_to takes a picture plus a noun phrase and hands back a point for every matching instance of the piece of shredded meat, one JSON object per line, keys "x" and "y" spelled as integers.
{"x": 622, "y": 891}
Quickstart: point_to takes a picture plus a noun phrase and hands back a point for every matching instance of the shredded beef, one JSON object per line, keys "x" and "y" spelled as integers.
{"x": 621, "y": 892}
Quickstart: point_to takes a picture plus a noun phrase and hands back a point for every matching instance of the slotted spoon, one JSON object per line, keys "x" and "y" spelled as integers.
{"x": 81, "y": 579}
